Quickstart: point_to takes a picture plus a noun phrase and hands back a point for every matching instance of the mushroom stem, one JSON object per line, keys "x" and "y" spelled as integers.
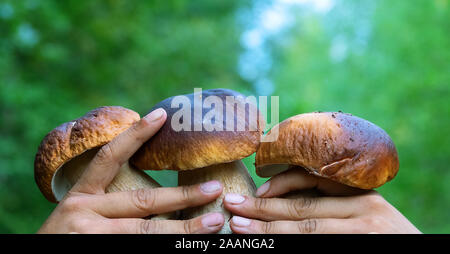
{"x": 127, "y": 179}
{"x": 235, "y": 179}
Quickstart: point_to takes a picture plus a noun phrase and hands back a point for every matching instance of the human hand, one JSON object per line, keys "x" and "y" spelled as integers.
{"x": 366, "y": 212}
{"x": 86, "y": 208}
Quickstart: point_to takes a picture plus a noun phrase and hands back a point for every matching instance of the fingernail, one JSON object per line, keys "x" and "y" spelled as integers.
{"x": 211, "y": 186}
{"x": 154, "y": 115}
{"x": 241, "y": 221}
{"x": 234, "y": 198}
{"x": 263, "y": 189}
{"x": 212, "y": 220}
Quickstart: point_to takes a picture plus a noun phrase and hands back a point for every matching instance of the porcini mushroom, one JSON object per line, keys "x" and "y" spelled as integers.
{"x": 202, "y": 153}
{"x": 65, "y": 152}
{"x": 337, "y": 146}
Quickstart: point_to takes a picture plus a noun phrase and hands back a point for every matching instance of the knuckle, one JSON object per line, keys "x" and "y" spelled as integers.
{"x": 374, "y": 201}
{"x": 261, "y": 205}
{"x": 186, "y": 194}
{"x": 105, "y": 154}
{"x": 80, "y": 225}
{"x": 268, "y": 227}
{"x": 189, "y": 227}
{"x": 301, "y": 207}
{"x": 73, "y": 203}
{"x": 308, "y": 226}
{"x": 143, "y": 199}
{"x": 374, "y": 223}
{"x": 83, "y": 223}
{"x": 148, "y": 227}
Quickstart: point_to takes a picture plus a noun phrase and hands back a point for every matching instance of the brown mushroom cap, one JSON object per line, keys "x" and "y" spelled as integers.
{"x": 73, "y": 138}
{"x": 338, "y": 146}
{"x": 185, "y": 150}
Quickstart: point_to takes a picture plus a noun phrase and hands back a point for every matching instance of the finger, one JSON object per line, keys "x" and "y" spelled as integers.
{"x": 144, "y": 202}
{"x": 107, "y": 162}
{"x": 270, "y": 209}
{"x": 208, "y": 223}
{"x": 298, "y": 178}
{"x": 241, "y": 225}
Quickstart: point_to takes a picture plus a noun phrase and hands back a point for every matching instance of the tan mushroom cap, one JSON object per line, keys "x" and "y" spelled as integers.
{"x": 73, "y": 138}
{"x": 185, "y": 150}
{"x": 338, "y": 146}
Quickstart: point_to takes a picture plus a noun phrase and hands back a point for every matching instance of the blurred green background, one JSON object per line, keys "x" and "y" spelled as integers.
{"x": 385, "y": 61}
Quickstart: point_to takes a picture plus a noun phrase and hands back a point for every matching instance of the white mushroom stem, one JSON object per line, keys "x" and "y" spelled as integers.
{"x": 127, "y": 179}
{"x": 235, "y": 179}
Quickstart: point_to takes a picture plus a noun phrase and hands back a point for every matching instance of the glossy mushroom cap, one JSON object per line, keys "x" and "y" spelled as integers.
{"x": 74, "y": 138}
{"x": 185, "y": 150}
{"x": 338, "y": 146}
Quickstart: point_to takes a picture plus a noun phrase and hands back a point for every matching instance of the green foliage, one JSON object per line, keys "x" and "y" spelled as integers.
{"x": 385, "y": 61}
{"x": 60, "y": 59}
{"x": 398, "y": 79}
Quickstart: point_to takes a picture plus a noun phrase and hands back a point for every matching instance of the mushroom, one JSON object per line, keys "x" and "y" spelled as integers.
{"x": 337, "y": 146}
{"x": 66, "y": 151}
{"x": 201, "y": 155}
